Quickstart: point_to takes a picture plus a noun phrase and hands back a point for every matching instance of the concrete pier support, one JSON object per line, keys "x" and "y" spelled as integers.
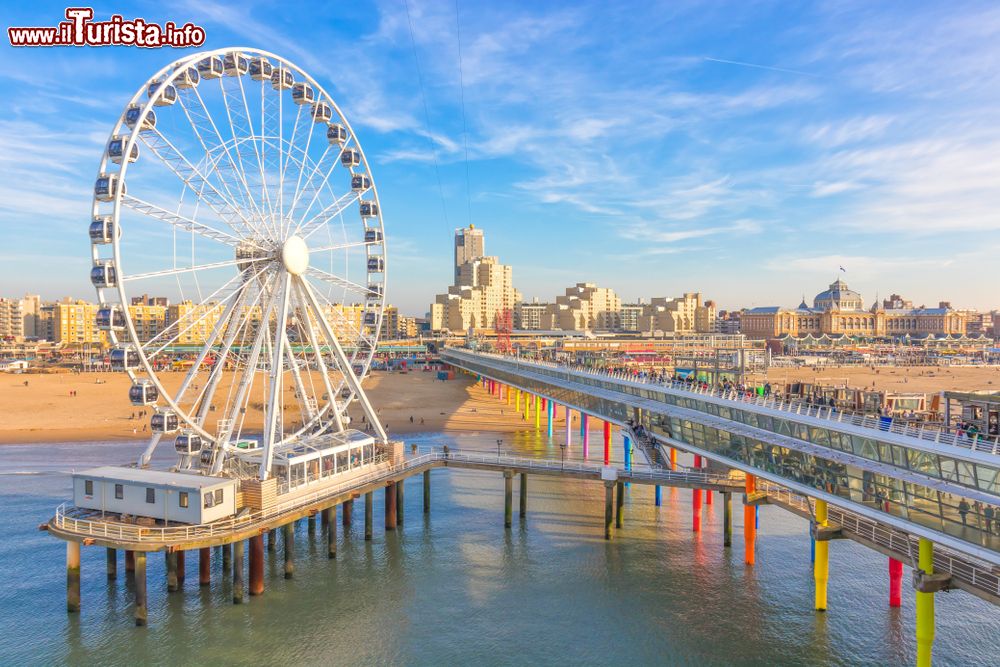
{"x": 238, "y": 549}
{"x": 139, "y": 567}
{"x": 227, "y": 557}
{"x": 821, "y": 568}
{"x": 257, "y": 565}
{"x": 925, "y": 607}
{"x": 390, "y": 506}
{"x": 749, "y": 523}
{"x": 331, "y": 531}
{"x": 172, "y": 583}
{"x": 112, "y": 562}
{"x": 727, "y": 519}
{"x": 523, "y": 491}
{"x": 508, "y": 498}
{"x": 129, "y": 561}
{"x": 585, "y": 434}
{"x": 311, "y": 522}
{"x": 895, "y": 583}
{"x": 400, "y": 503}
{"x": 427, "y": 491}
{"x": 620, "y": 508}
{"x": 204, "y": 566}
{"x": 607, "y": 443}
{"x": 289, "y": 540}
{"x": 609, "y": 495}
{"x": 347, "y": 513}
{"x": 180, "y": 570}
{"x": 368, "y": 516}
{"x": 73, "y": 577}
{"x": 272, "y": 540}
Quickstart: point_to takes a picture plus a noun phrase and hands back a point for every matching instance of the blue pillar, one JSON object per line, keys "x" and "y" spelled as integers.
{"x": 659, "y": 496}
{"x": 756, "y": 516}
{"x": 548, "y": 414}
{"x": 628, "y": 454}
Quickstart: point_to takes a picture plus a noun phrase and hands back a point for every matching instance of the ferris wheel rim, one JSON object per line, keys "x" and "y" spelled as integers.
{"x": 167, "y": 75}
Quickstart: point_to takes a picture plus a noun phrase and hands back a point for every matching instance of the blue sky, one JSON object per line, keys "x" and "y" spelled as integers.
{"x": 743, "y": 149}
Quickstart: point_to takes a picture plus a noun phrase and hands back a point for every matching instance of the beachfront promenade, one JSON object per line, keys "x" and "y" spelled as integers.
{"x": 917, "y": 495}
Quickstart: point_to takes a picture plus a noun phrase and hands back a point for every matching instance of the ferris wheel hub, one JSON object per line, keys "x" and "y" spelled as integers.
{"x": 295, "y": 255}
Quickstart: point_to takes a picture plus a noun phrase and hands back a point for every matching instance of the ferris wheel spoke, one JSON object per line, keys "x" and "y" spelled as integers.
{"x": 189, "y": 269}
{"x": 178, "y": 221}
{"x": 265, "y": 197}
{"x": 208, "y": 135}
{"x": 313, "y": 225}
{"x": 288, "y": 157}
{"x": 302, "y": 189}
{"x": 305, "y": 408}
{"x": 302, "y": 164}
{"x": 342, "y": 246}
{"x": 314, "y": 343}
{"x": 193, "y": 178}
{"x": 337, "y": 311}
{"x": 318, "y": 188}
{"x": 223, "y": 304}
{"x": 241, "y": 130}
{"x": 274, "y": 403}
{"x": 337, "y": 281}
{"x": 345, "y": 365}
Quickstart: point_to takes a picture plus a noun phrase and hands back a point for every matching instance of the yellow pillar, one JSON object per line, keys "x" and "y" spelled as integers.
{"x": 925, "y": 607}
{"x": 517, "y": 400}
{"x": 527, "y": 404}
{"x": 507, "y": 394}
{"x": 821, "y": 568}
{"x": 538, "y": 413}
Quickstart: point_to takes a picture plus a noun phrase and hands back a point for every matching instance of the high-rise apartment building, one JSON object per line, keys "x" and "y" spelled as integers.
{"x": 685, "y": 314}
{"x": 483, "y": 288}
{"x": 74, "y": 323}
{"x": 470, "y": 245}
{"x": 587, "y": 307}
{"x": 11, "y": 319}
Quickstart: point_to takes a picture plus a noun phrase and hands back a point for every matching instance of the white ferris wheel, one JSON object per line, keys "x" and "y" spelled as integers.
{"x": 233, "y": 183}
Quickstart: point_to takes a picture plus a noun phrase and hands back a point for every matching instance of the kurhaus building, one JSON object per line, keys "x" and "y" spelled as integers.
{"x": 840, "y": 310}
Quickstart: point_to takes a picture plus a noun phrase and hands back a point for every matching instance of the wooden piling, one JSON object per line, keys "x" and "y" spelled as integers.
{"x": 129, "y": 561}
{"x": 390, "y": 506}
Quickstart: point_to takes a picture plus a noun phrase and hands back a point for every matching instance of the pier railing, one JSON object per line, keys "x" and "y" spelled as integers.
{"x": 977, "y": 574}
{"x": 90, "y": 523}
{"x": 978, "y": 442}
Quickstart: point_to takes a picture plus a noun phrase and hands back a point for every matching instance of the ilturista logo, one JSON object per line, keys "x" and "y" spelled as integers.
{"x": 81, "y": 30}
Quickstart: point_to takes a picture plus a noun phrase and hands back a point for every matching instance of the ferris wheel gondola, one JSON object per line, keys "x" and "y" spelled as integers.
{"x": 252, "y": 203}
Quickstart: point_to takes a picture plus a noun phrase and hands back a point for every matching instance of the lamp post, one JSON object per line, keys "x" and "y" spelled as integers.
{"x": 499, "y": 445}
{"x": 562, "y": 452}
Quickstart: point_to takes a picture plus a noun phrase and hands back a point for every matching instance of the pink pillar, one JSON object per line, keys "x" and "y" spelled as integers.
{"x": 607, "y": 443}
{"x": 586, "y": 435}
{"x": 895, "y": 583}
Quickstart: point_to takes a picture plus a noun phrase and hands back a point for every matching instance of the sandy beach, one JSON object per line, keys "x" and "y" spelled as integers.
{"x": 45, "y": 410}
{"x": 922, "y": 379}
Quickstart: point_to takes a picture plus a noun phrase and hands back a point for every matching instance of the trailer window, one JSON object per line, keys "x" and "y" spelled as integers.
{"x": 88, "y": 487}
{"x": 150, "y": 495}
{"x": 182, "y": 498}
{"x": 209, "y": 500}
{"x": 119, "y": 491}
{"x": 218, "y": 496}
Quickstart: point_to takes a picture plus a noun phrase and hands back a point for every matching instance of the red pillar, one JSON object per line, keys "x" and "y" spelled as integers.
{"x": 204, "y": 566}
{"x": 895, "y": 583}
{"x": 696, "y": 501}
{"x": 673, "y": 459}
{"x": 257, "y": 565}
{"x": 607, "y": 443}
{"x": 749, "y": 523}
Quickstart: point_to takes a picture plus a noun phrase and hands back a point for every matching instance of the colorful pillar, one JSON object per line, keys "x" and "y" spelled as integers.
{"x": 550, "y": 412}
{"x": 517, "y": 400}
{"x": 925, "y": 607}
{"x": 895, "y": 583}
{"x": 257, "y": 564}
{"x": 607, "y": 443}
{"x": 696, "y": 502}
{"x": 538, "y": 412}
{"x": 821, "y": 568}
{"x": 657, "y": 496}
{"x": 569, "y": 427}
{"x": 585, "y": 433}
{"x": 583, "y": 424}
{"x": 673, "y": 459}
{"x": 507, "y": 394}
{"x": 749, "y": 525}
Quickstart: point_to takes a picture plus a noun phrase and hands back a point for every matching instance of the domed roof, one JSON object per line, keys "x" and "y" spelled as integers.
{"x": 839, "y": 295}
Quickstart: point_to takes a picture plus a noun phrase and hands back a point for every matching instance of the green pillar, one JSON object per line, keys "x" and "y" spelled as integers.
{"x": 620, "y": 509}
{"x": 508, "y": 500}
{"x": 139, "y": 563}
{"x": 331, "y": 531}
{"x": 727, "y": 519}
{"x": 368, "y": 516}
{"x": 427, "y": 491}
{"x": 289, "y": 536}
{"x": 238, "y": 550}
{"x": 523, "y": 491}
{"x": 73, "y": 577}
